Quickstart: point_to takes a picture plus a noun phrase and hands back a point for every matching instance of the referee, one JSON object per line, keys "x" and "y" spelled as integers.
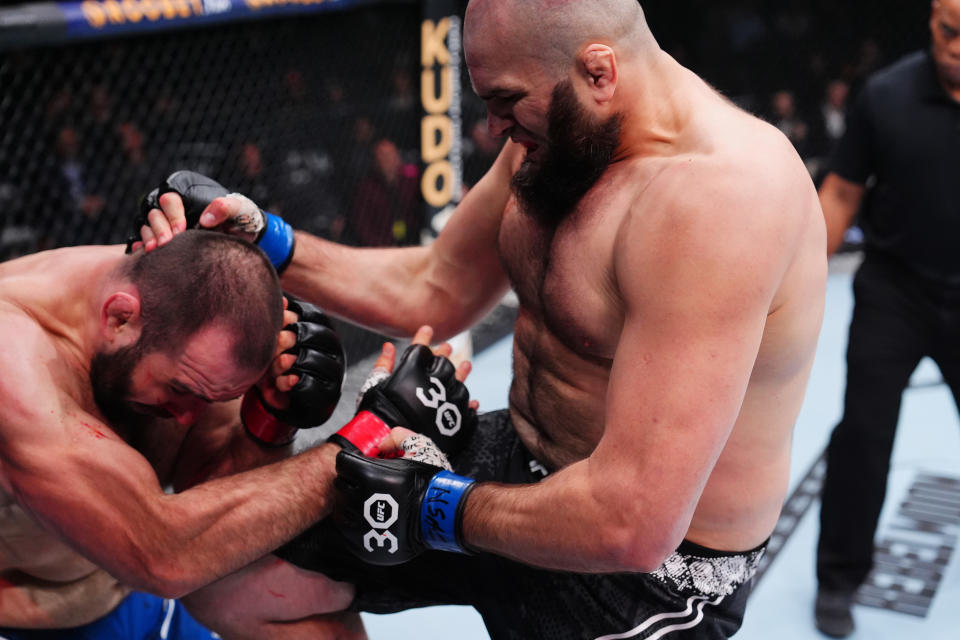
{"x": 903, "y": 136}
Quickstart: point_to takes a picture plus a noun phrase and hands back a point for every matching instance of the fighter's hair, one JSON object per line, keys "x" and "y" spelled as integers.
{"x": 202, "y": 278}
{"x": 554, "y": 31}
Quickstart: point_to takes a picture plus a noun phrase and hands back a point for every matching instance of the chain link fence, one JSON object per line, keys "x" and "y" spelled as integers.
{"x": 795, "y": 63}
{"x": 316, "y": 117}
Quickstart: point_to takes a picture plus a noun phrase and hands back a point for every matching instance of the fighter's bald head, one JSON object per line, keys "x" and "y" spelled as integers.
{"x": 554, "y": 31}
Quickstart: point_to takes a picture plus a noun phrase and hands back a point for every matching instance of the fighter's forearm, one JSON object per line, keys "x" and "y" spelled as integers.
{"x": 449, "y": 285}
{"x": 220, "y": 526}
{"x": 385, "y": 289}
{"x": 561, "y": 524}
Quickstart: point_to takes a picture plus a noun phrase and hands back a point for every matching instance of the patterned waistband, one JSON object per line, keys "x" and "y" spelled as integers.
{"x": 696, "y": 570}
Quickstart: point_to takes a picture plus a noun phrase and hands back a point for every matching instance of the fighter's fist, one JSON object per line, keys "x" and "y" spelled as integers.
{"x": 424, "y": 395}
{"x": 390, "y": 511}
{"x": 160, "y": 218}
{"x": 319, "y": 367}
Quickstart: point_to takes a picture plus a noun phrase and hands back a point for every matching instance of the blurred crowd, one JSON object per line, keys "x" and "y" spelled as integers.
{"x": 327, "y": 135}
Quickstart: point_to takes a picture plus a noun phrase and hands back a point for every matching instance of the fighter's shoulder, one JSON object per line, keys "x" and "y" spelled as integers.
{"x": 24, "y": 336}
{"x": 28, "y": 359}
{"x": 720, "y": 207}
{"x": 743, "y": 174}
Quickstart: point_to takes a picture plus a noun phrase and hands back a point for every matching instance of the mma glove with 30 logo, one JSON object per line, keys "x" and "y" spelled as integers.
{"x": 390, "y": 511}
{"x": 319, "y": 365}
{"x": 423, "y": 395}
{"x": 269, "y": 232}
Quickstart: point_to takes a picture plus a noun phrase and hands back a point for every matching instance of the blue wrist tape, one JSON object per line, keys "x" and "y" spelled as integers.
{"x": 277, "y": 242}
{"x": 442, "y": 509}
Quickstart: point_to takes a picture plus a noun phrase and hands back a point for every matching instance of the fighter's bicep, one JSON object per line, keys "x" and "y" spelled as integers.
{"x": 82, "y": 482}
{"x": 694, "y": 314}
{"x": 466, "y": 248}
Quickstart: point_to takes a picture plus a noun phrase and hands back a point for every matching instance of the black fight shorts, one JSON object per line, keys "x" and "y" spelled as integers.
{"x": 697, "y": 593}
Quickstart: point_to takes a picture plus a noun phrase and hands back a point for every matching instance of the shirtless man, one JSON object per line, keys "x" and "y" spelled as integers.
{"x": 667, "y": 250}
{"x": 120, "y": 379}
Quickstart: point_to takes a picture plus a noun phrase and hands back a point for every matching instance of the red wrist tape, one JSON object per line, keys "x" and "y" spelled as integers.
{"x": 263, "y": 425}
{"x": 366, "y": 431}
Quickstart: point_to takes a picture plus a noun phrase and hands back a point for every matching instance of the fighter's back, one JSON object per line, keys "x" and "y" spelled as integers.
{"x": 48, "y": 583}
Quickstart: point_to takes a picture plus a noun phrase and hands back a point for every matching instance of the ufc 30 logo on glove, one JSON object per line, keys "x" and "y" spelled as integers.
{"x": 423, "y": 395}
{"x": 381, "y": 512}
{"x": 390, "y": 511}
{"x": 448, "y": 415}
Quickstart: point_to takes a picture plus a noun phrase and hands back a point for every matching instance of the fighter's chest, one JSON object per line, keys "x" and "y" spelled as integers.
{"x": 564, "y": 277}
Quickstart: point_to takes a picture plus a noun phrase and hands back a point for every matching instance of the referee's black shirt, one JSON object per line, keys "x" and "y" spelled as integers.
{"x": 904, "y": 129}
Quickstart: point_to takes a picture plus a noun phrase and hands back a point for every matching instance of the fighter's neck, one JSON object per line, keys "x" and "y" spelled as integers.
{"x": 63, "y": 291}
{"x": 657, "y": 106}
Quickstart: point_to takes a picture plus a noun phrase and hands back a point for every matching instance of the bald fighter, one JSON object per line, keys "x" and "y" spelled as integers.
{"x": 121, "y": 375}
{"x": 667, "y": 250}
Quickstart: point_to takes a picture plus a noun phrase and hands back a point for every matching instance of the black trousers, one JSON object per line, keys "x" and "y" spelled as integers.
{"x": 898, "y": 318}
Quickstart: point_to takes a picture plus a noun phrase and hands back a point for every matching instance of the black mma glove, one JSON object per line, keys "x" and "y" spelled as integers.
{"x": 390, "y": 511}
{"x": 423, "y": 395}
{"x": 320, "y": 365}
{"x": 271, "y": 233}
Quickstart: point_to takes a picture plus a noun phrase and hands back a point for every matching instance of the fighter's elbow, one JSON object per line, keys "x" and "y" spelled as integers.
{"x": 160, "y": 572}
{"x": 634, "y": 541}
{"x": 631, "y": 551}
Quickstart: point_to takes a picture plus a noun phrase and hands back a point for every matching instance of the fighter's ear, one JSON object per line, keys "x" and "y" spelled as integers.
{"x": 599, "y": 64}
{"x": 120, "y": 318}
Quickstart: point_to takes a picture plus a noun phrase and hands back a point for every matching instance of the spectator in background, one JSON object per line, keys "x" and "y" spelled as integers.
{"x": 60, "y": 107}
{"x": 387, "y": 209}
{"x": 301, "y": 180}
{"x": 136, "y": 169}
{"x": 356, "y": 143}
{"x": 793, "y": 20}
{"x": 73, "y": 194}
{"x": 871, "y": 58}
{"x": 827, "y": 127}
{"x": 17, "y": 236}
{"x": 97, "y": 126}
{"x": 833, "y": 112}
{"x": 252, "y": 175}
{"x": 101, "y": 107}
{"x": 901, "y": 132}
{"x": 784, "y": 117}
{"x": 402, "y": 106}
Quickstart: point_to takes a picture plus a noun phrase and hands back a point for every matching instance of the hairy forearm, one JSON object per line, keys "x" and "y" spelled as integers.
{"x": 384, "y": 289}
{"x": 448, "y": 285}
{"x": 393, "y": 290}
{"x": 220, "y": 526}
{"x": 561, "y": 524}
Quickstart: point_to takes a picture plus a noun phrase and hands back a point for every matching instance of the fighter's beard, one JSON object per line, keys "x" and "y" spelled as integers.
{"x": 580, "y": 149}
{"x": 110, "y": 381}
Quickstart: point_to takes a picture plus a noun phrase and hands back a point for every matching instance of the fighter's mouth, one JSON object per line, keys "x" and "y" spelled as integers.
{"x": 530, "y": 146}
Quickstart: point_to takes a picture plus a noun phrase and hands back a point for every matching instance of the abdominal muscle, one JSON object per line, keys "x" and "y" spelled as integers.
{"x": 557, "y": 404}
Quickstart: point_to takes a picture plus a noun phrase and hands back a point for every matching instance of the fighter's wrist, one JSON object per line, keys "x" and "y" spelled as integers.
{"x": 277, "y": 241}
{"x": 364, "y": 433}
{"x": 441, "y": 512}
{"x": 261, "y": 425}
